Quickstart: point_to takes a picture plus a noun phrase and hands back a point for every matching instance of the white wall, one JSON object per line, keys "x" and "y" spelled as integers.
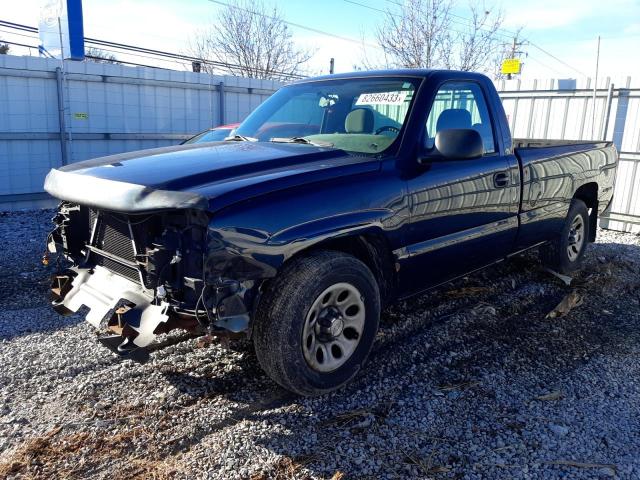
{"x": 108, "y": 109}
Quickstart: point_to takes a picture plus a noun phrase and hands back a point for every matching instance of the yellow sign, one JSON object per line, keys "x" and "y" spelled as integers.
{"x": 510, "y": 65}
{"x": 80, "y": 116}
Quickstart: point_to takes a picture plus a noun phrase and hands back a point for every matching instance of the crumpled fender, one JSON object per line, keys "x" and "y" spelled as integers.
{"x": 250, "y": 254}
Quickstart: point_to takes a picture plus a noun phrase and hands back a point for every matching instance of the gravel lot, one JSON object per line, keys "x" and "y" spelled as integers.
{"x": 469, "y": 381}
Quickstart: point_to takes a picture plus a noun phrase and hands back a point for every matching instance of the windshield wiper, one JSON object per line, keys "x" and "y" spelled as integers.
{"x": 240, "y": 138}
{"x": 301, "y": 140}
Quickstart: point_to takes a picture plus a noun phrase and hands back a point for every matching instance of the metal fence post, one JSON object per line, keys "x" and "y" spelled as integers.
{"x": 61, "y": 117}
{"x": 620, "y": 119}
{"x": 605, "y": 118}
{"x": 221, "y": 100}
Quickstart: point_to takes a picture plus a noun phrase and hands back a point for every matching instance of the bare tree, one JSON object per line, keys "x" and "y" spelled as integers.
{"x": 97, "y": 55}
{"x": 418, "y": 36}
{"x": 480, "y": 43}
{"x": 4, "y": 48}
{"x": 249, "y": 40}
{"x": 427, "y": 34}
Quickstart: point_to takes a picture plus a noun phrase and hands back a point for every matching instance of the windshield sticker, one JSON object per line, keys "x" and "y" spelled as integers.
{"x": 383, "y": 98}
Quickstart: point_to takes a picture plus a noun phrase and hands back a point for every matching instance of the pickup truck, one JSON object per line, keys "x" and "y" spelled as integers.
{"x": 376, "y": 186}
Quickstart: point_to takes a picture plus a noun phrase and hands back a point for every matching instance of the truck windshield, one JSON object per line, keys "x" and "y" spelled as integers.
{"x": 360, "y": 115}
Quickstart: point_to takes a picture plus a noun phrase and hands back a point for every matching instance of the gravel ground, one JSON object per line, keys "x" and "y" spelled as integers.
{"x": 469, "y": 381}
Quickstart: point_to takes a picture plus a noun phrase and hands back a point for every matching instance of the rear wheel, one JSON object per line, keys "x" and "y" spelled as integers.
{"x": 316, "y": 323}
{"x": 565, "y": 252}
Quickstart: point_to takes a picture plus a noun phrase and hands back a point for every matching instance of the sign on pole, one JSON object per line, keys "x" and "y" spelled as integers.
{"x": 60, "y": 29}
{"x": 511, "y": 65}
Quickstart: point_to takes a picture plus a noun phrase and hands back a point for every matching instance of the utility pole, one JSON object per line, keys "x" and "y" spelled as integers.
{"x": 514, "y": 51}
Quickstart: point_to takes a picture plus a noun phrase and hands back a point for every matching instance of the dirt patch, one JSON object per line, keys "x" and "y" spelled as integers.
{"x": 76, "y": 455}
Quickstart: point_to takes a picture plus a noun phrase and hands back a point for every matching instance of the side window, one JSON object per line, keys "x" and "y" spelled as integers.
{"x": 460, "y": 105}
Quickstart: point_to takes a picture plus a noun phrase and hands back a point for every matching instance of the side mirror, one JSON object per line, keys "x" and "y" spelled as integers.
{"x": 459, "y": 143}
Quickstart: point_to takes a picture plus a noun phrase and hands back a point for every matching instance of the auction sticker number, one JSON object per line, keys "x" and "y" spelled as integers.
{"x": 383, "y": 98}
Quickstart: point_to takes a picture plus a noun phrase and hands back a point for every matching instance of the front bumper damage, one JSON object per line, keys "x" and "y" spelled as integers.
{"x": 128, "y": 317}
{"x": 115, "y": 304}
{"x": 138, "y": 276}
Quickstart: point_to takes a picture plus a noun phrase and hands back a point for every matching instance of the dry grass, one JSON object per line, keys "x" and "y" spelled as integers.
{"x": 285, "y": 468}
{"x": 77, "y": 455}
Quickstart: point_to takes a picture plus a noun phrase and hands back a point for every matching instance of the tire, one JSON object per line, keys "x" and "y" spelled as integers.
{"x": 293, "y": 307}
{"x": 564, "y": 253}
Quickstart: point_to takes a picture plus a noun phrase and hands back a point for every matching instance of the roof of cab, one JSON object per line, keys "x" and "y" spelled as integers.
{"x": 404, "y": 72}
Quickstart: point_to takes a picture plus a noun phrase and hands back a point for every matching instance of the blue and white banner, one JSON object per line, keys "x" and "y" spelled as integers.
{"x": 60, "y": 29}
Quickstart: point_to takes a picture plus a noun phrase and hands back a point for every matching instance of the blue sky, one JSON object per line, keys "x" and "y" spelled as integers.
{"x": 565, "y": 29}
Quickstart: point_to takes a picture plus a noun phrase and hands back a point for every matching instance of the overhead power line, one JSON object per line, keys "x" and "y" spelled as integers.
{"x": 297, "y": 25}
{"x": 557, "y": 59}
{"x": 514, "y": 34}
{"x": 125, "y": 62}
{"x": 118, "y": 60}
{"x": 466, "y": 22}
{"x": 106, "y": 45}
{"x": 25, "y": 35}
{"x": 508, "y": 33}
{"x": 19, "y": 44}
{"x": 119, "y": 51}
{"x": 186, "y": 58}
{"x": 531, "y": 57}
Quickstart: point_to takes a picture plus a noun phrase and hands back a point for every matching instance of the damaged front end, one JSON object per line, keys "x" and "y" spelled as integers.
{"x": 140, "y": 275}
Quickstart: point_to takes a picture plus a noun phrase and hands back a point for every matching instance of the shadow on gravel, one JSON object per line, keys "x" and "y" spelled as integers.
{"x": 215, "y": 383}
{"x": 451, "y": 369}
{"x": 25, "y": 307}
{"x": 24, "y": 281}
{"x": 442, "y": 348}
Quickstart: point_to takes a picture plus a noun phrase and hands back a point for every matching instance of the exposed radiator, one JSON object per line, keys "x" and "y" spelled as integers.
{"x": 115, "y": 236}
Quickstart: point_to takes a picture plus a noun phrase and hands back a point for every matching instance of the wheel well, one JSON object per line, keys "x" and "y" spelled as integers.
{"x": 588, "y": 193}
{"x": 374, "y": 252}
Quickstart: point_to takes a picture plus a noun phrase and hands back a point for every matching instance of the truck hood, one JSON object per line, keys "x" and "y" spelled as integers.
{"x": 205, "y": 177}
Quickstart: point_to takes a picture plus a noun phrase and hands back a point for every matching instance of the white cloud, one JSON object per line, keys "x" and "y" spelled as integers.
{"x": 549, "y": 14}
{"x": 346, "y": 54}
{"x": 536, "y": 17}
{"x": 632, "y": 29}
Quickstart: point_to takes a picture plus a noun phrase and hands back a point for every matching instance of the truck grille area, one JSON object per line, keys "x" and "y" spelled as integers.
{"x": 119, "y": 239}
{"x": 119, "y": 268}
{"x": 113, "y": 236}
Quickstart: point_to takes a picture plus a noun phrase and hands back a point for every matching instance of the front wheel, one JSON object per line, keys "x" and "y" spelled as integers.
{"x": 565, "y": 252}
{"x": 317, "y": 321}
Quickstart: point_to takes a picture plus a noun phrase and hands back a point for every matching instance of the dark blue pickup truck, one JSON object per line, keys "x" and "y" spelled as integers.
{"x": 336, "y": 196}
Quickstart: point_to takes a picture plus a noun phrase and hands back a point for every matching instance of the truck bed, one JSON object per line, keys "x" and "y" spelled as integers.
{"x": 542, "y": 143}
{"x": 550, "y": 171}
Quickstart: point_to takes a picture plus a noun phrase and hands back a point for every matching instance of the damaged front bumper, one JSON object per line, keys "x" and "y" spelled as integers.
{"x": 115, "y": 304}
{"x": 129, "y": 317}
{"x": 142, "y": 275}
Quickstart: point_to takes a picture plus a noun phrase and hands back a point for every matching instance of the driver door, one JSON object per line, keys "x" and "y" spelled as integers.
{"x": 463, "y": 212}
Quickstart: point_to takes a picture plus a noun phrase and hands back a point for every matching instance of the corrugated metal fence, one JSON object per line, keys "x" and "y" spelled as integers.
{"x": 48, "y": 119}
{"x": 564, "y": 109}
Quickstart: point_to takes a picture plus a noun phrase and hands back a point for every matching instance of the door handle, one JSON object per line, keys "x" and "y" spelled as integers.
{"x": 501, "y": 179}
